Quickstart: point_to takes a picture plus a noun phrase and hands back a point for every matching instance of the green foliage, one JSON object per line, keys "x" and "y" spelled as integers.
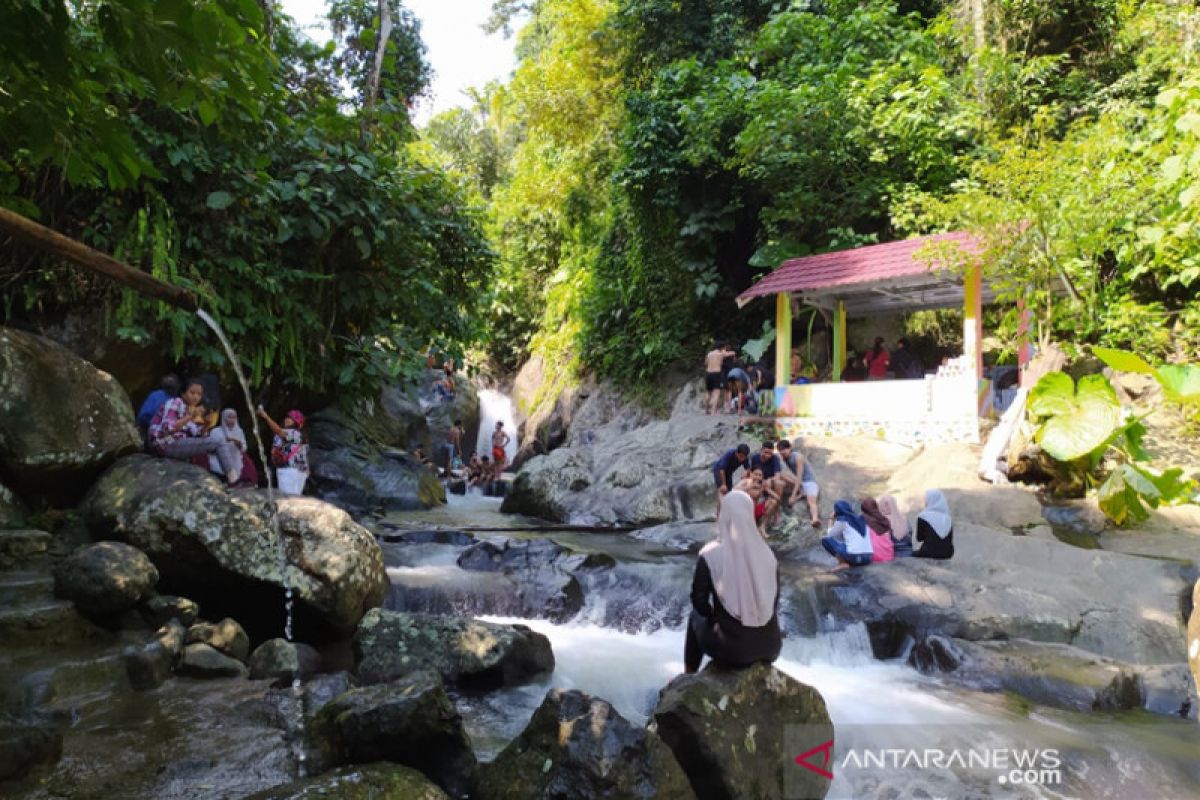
{"x": 328, "y": 249}
{"x": 1083, "y": 426}
{"x": 1074, "y": 422}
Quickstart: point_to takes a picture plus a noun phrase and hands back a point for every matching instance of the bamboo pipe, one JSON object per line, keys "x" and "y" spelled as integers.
{"x": 43, "y": 238}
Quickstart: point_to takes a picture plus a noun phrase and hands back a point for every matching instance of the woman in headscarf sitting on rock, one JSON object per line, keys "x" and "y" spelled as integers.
{"x": 883, "y": 548}
{"x": 735, "y": 592}
{"x": 230, "y": 430}
{"x": 901, "y": 530}
{"x": 848, "y": 540}
{"x": 935, "y": 530}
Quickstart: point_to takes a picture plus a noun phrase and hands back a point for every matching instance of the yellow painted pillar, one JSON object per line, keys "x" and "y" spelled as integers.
{"x": 839, "y": 340}
{"x": 973, "y": 318}
{"x": 783, "y": 339}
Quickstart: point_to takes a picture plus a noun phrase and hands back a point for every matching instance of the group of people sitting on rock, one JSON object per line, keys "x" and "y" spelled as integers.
{"x": 881, "y": 532}
{"x": 735, "y": 586}
{"x": 180, "y": 420}
{"x": 772, "y": 478}
{"x": 480, "y": 470}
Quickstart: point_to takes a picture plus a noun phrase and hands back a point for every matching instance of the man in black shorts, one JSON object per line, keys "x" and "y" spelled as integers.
{"x": 714, "y": 375}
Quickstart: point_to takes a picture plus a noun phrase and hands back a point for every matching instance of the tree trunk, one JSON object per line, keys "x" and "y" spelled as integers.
{"x": 50, "y": 241}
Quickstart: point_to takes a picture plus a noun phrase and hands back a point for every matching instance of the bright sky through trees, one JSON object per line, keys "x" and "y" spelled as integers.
{"x": 462, "y": 55}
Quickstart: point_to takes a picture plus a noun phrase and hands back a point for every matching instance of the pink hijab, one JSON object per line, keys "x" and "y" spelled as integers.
{"x": 891, "y": 510}
{"x": 743, "y": 568}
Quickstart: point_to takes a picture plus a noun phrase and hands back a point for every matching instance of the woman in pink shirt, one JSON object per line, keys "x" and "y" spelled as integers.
{"x": 880, "y": 527}
{"x": 877, "y": 361}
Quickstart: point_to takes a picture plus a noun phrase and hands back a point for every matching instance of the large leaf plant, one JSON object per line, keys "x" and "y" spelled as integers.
{"x": 1083, "y": 427}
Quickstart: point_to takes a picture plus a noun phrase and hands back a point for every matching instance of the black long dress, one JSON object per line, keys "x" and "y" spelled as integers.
{"x": 712, "y": 631}
{"x": 933, "y": 546}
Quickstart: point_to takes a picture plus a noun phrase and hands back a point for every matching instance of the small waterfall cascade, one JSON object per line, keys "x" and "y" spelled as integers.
{"x": 495, "y": 407}
{"x": 295, "y": 733}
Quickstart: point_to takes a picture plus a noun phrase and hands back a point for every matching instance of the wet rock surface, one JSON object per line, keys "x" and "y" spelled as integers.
{"x": 465, "y": 652}
{"x": 203, "y": 661}
{"x": 280, "y": 659}
{"x": 226, "y": 636}
{"x": 105, "y": 579}
{"x": 1000, "y": 586}
{"x": 578, "y": 746}
{"x": 22, "y": 547}
{"x": 410, "y": 721}
{"x": 359, "y": 460}
{"x": 727, "y": 730}
{"x": 43, "y": 386}
{"x": 372, "y": 782}
{"x": 26, "y": 744}
{"x": 218, "y": 546}
{"x": 160, "y": 609}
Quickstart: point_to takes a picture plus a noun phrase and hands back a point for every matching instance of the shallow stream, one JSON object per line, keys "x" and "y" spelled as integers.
{"x": 627, "y": 642}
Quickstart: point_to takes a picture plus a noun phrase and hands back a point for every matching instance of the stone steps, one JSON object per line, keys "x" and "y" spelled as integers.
{"x": 25, "y": 588}
{"x": 44, "y": 623}
{"x": 20, "y": 548}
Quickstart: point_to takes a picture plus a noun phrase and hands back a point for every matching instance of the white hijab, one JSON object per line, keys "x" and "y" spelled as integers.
{"x": 936, "y": 513}
{"x": 229, "y": 430}
{"x": 743, "y": 568}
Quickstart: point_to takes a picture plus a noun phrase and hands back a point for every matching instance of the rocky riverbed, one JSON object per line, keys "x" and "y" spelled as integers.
{"x": 438, "y": 649}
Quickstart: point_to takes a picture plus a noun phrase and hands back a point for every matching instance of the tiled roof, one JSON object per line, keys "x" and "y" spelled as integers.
{"x": 864, "y": 265}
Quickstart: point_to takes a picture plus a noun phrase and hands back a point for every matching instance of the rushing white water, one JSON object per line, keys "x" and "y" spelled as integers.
{"x": 495, "y": 407}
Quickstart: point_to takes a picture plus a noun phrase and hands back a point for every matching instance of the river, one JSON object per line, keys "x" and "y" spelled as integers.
{"x": 626, "y": 643}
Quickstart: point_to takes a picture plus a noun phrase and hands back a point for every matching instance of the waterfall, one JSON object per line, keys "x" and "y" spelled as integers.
{"x": 495, "y": 407}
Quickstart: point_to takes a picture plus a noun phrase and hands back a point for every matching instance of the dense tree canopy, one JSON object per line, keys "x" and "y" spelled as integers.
{"x": 214, "y": 145}
{"x": 669, "y": 152}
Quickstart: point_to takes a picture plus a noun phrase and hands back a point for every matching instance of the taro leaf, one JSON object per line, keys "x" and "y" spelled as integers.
{"x": 1181, "y": 383}
{"x": 1086, "y": 422}
{"x": 1134, "y": 432}
{"x": 1122, "y": 361}
{"x": 1122, "y": 495}
{"x": 1054, "y": 394}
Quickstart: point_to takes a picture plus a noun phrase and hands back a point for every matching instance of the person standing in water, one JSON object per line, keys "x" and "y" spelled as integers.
{"x": 735, "y": 594}
{"x": 500, "y": 440}
{"x": 453, "y": 447}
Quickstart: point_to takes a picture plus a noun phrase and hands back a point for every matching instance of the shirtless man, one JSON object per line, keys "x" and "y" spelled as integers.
{"x": 453, "y": 444}
{"x": 500, "y": 441}
{"x": 714, "y": 375}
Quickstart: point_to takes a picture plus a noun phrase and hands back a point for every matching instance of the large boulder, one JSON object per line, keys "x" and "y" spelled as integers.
{"x": 727, "y": 729}
{"x": 201, "y": 661}
{"x": 12, "y": 510}
{"x": 226, "y": 636}
{"x": 62, "y": 420}
{"x": 441, "y": 414}
{"x": 619, "y": 466}
{"x": 372, "y": 782}
{"x": 465, "y": 652}
{"x": 356, "y": 465}
{"x": 105, "y": 579}
{"x": 543, "y": 419}
{"x": 578, "y": 746}
{"x": 1000, "y": 586}
{"x": 281, "y": 659}
{"x": 542, "y": 572}
{"x": 219, "y": 547}
{"x": 410, "y": 721}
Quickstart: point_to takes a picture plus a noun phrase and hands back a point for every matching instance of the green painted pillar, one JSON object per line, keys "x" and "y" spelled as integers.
{"x": 839, "y": 340}
{"x": 783, "y": 339}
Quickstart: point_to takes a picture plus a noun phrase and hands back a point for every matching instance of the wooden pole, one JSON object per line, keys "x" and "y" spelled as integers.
{"x": 43, "y": 238}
